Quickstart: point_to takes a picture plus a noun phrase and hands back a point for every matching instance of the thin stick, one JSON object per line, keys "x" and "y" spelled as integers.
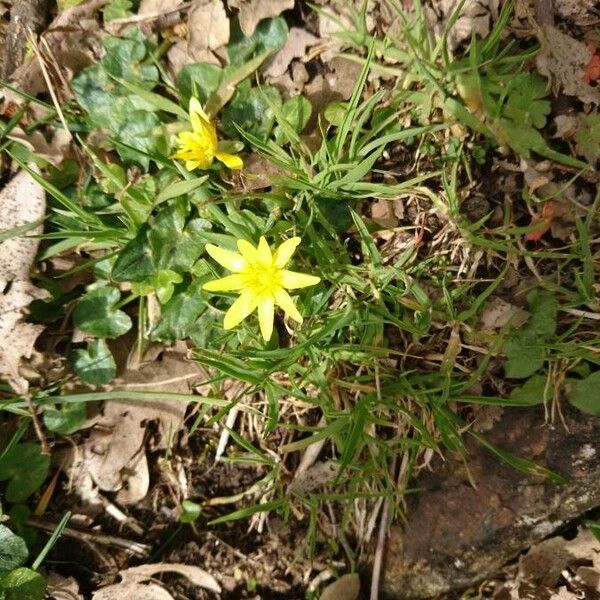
{"x": 48, "y": 81}
{"x": 36, "y": 425}
{"x": 379, "y": 551}
{"x": 141, "y": 550}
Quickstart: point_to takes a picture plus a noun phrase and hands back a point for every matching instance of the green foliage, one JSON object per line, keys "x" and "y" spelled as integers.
{"x": 191, "y": 511}
{"x": 525, "y": 349}
{"x": 587, "y": 137}
{"x": 525, "y": 102}
{"x": 22, "y": 584}
{"x": 95, "y": 364}
{"x": 251, "y": 109}
{"x": 181, "y": 312}
{"x": 269, "y": 36}
{"x": 296, "y": 112}
{"x": 162, "y": 283}
{"x": 201, "y": 80}
{"x": 383, "y": 354}
{"x": 13, "y": 551}
{"x": 96, "y": 313}
{"x": 68, "y": 418}
{"x": 25, "y": 468}
{"x": 172, "y": 244}
{"x": 111, "y": 105}
{"x": 117, "y": 9}
{"x": 585, "y": 394}
{"x": 532, "y": 392}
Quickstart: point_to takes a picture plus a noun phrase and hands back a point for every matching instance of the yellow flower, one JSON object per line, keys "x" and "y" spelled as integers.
{"x": 200, "y": 146}
{"x": 262, "y": 281}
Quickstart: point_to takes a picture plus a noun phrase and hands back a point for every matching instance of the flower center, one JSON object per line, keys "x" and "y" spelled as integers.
{"x": 264, "y": 279}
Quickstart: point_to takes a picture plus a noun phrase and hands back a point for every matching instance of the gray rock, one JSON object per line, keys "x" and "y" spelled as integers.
{"x": 457, "y": 535}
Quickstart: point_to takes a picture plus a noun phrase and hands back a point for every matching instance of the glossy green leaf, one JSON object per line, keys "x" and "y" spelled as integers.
{"x": 13, "y": 551}
{"x": 23, "y": 584}
{"x": 180, "y": 313}
{"x": 180, "y": 188}
{"x": 95, "y": 364}
{"x": 175, "y": 244}
{"x": 66, "y": 418}
{"x": 143, "y": 131}
{"x": 135, "y": 262}
{"x": 544, "y": 310}
{"x": 95, "y": 314}
{"x": 334, "y": 112}
{"x": 269, "y": 35}
{"x": 125, "y": 55}
{"x": 249, "y": 110}
{"x": 200, "y": 80}
{"x": 296, "y": 111}
{"x": 26, "y": 468}
{"x": 162, "y": 284}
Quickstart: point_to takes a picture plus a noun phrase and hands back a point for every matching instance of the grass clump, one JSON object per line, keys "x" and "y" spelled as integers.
{"x": 392, "y": 353}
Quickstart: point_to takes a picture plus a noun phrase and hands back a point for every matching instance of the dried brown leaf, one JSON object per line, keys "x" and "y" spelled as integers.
{"x": 22, "y": 201}
{"x": 254, "y": 11}
{"x": 476, "y": 17}
{"x": 133, "y": 584}
{"x": 497, "y": 313}
{"x": 53, "y": 152}
{"x": 177, "y": 57}
{"x": 564, "y": 59}
{"x": 208, "y": 30}
{"x": 62, "y": 588}
{"x": 316, "y": 476}
{"x": 194, "y": 574}
{"x": 139, "y": 591}
{"x": 67, "y": 37}
{"x": 114, "y": 452}
{"x": 343, "y": 75}
{"x": 581, "y": 12}
{"x": 154, "y": 7}
{"x": 294, "y": 47}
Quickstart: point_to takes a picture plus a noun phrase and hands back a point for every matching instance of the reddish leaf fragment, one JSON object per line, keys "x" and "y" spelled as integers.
{"x": 544, "y": 219}
{"x": 592, "y": 70}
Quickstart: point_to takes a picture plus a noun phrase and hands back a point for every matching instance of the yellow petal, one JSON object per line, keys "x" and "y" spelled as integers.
{"x": 230, "y": 160}
{"x": 248, "y": 251}
{"x": 204, "y": 129}
{"x": 230, "y": 260}
{"x": 240, "y": 309}
{"x": 266, "y": 314}
{"x": 283, "y": 299}
{"x": 264, "y": 252}
{"x": 293, "y": 281}
{"x": 190, "y": 165}
{"x": 196, "y": 107}
{"x": 186, "y": 138}
{"x": 284, "y": 252}
{"x": 225, "y": 284}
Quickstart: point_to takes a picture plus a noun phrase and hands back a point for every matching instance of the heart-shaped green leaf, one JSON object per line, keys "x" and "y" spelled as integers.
{"x": 26, "y": 468}
{"x": 96, "y": 315}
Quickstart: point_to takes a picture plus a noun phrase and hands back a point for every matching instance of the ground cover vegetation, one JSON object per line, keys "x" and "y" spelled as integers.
{"x": 304, "y": 296}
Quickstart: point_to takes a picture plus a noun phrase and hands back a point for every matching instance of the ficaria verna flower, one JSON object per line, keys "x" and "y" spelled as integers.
{"x": 199, "y": 147}
{"x": 262, "y": 281}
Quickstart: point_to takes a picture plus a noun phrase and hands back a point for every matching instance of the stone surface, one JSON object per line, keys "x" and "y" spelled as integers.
{"x": 457, "y": 534}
